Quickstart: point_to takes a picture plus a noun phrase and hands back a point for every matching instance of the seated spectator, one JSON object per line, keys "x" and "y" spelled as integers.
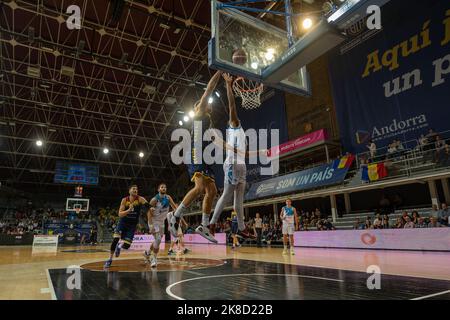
{"x": 377, "y": 223}
{"x": 409, "y": 224}
{"x": 392, "y": 149}
{"x": 358, "y": 225}
{"x": 415, "y": 217}
{"x": 423, "y": 141}
{"x": 385, "y": 223}
{"x": 434, "y": 223}
{"x": 328, "y": 225}
{"x": 421, "y": 223}
{"x": 399, "y": 223}
{"x": 434, "y": 211}
{"x": 405, "y": 217}
{"x": 443, "y": 214}
{"x": 368, "y": 223}
{"x": 319, "y": 225}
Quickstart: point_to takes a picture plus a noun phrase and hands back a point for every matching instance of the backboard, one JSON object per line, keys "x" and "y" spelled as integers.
{"x": 73, "y": 203}
{"x": 263, "y": 43}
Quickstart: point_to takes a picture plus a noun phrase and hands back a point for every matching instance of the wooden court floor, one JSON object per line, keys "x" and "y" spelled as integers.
{"x": 27, "y": 274}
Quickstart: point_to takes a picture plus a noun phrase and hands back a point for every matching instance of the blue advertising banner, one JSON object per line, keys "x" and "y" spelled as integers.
{"x": 394, "y": 83}
{"x": 321, "y": 176}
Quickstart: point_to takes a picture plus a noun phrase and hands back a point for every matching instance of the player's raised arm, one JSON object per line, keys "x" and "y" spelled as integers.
{"x": 209, "y": 90}
{"x": 122, "y": 211}
{"x": 233, "y": 117}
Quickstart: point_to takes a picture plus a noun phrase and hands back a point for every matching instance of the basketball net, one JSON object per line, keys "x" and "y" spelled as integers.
{"x": 249, "y": 91}
{"x": 77, "y": 211}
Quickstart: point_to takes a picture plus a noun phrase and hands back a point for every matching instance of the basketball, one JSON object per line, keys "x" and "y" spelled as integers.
{"x": 239, "y": 57}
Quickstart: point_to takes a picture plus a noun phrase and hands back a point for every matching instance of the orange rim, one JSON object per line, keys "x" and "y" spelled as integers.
{"x": 241, "y": 89}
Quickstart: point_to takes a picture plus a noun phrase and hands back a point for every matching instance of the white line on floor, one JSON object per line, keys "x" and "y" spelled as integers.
{"x": 50, "y": 285}
{"x": 169, "y": 288}
{"x": 432, "y": 295}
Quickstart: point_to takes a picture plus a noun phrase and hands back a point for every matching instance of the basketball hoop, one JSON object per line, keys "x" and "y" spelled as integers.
{"x": 77, "y": 211}
{"x": 249, "y": 91}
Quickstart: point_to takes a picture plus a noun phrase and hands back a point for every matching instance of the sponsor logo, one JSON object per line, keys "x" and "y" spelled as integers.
{"x": 362, "y": 136}
{"x": 265, "y": 187}
{"x": 394, "y": 128}
{"x": 368, "y": 239}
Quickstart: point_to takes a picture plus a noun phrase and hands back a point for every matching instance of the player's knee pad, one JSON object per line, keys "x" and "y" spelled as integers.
{"x": 126, "y": 245}
{"x": 114, "y": 244}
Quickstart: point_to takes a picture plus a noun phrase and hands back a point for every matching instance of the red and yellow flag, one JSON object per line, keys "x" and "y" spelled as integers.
{"x": 377, "y": 171}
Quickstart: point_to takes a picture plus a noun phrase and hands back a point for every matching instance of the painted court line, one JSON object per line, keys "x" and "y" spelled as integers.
{"x": 432, "y": 295}
{"x": 169, "y": 288}
{"x": 50, "y": 285}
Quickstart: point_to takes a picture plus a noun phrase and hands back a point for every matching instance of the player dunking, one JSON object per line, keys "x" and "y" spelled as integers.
{"x": 129, "y": 212}
{"x": 201, "y": 174}
{"x": 160, "y": 206}
{"x": 290, "y": 223}
{"x": 235, "y": 170}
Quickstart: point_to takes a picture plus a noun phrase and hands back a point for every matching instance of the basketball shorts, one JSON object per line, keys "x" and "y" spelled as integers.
{"x": 158, "y": 223}
{"x": 234, "y": 173}
{"x": 198, "y": 170}
{"x": 288, "y": 228}
{"x": 125, "y": 231}
{"x": 234, "y": 228}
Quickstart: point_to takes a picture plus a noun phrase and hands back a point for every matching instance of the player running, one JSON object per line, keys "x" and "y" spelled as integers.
{"x": 160, "y": 206}
{"x": 290, "y": 224}
{"x": 129, "y": 213}
{"x": 201, "y": 173}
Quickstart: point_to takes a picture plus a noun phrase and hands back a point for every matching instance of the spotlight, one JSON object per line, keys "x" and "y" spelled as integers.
{"x": 270, "y": 54}
{"x": 210, "y": 100}
{"x": 141, "y": 154}
{"x": 307, "y": 23}
{"x": 254, "y": 65}
{"x": 186, "y": 118}
{"x": 39, "y": 143}
{"x": 105, "y": 150}
{"x": 180, "y": 123}
{"x": 191, "y": 114}
{"x": 217, "y": 94}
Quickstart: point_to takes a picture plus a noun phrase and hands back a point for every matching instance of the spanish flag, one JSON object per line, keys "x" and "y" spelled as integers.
{"x": 377, "y": 171}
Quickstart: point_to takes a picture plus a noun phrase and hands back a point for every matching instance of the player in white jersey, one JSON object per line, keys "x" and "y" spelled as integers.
{"x": 289, "y": 218}
{"x": 234, "y": 167}
{"x": 160, "y": 207}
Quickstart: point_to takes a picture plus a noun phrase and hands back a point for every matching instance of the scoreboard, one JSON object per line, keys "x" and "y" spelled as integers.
{"x": 76, "y": 173}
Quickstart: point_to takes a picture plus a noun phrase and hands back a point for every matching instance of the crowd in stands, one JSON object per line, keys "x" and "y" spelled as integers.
{"x": 433, "y": 146}
{"x": 19, "y": 222}
{"x": 436, "y": 219}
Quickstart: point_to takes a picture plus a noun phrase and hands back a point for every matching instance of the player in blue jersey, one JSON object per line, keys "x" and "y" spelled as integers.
{"x": 201, "y": 173}
{"x": 160, "y": 207}
{"x": 290, "y": 224}
{"x": 129, "y": 213}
